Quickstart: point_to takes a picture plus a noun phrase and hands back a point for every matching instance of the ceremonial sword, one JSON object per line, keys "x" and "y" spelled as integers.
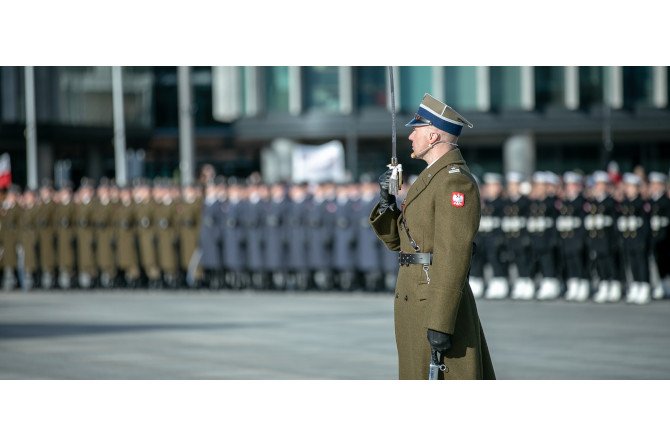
{"x": 395, "y": 183}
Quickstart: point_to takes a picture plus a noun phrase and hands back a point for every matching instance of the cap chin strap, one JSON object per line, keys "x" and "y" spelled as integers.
{"x": 430, "y": 146}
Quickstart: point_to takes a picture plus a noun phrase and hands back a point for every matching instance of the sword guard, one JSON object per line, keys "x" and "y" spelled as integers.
{"x": 395, "y": 182}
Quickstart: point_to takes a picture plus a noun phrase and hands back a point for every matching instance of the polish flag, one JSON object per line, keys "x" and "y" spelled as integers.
{"x": 5, "y": 171}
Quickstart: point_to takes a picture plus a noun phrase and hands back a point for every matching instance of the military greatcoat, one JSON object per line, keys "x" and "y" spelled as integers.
{"x": 442, "y": 211}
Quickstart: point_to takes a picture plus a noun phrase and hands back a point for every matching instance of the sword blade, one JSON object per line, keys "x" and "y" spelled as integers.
{"x": 394, "y": 159}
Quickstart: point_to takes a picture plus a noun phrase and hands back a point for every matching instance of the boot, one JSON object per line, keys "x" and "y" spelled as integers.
{"x": 614, "y": 291}
{"x": 582, "y": 293}
{"x": 498, "y": 289}
{"x": 632, "y": 293}
{"x": 477, "y": 286}
{"x": 601, "y": 295}
{"x": 573, "y": 288}
{"x": 644, "y": 293}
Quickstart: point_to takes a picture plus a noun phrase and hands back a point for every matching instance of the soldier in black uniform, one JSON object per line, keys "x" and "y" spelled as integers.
{"x": 542, "y": 231}
{"x": 633, "y": 224}
{"x": 572, "y": 237}
{"x": 491, "y": 244}
{"x": 660, "y": 222}
{"x": 601, "y": 240}
{"x": 515, "y": 212}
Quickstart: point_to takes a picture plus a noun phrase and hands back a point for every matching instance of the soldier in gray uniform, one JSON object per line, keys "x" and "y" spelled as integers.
{"x": 46, "y": 235}
{"x": 232, "y": 237}
{"x": 296, "y": 238}
{"x": 275, "y": 242}
{"x": 344, "y": 239}
{"x": 368, "y": 261}
{"x": 320, "y": 221}
{"x": 252, "y": 222}
{"x": 209, "y": 240}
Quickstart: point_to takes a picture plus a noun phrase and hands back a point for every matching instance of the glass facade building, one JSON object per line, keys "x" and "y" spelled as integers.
{"x": 569, "y": 112}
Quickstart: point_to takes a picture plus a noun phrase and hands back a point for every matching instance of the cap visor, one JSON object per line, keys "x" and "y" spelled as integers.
{"x": 416, "y": 123}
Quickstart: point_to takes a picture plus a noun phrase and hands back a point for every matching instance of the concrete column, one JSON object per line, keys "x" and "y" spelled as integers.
{"x": 186, "y": 128}
{"x": 527, "y": 88}
{"x": 119, "y": 128}
{"x": 483, "y": 75}
{"x": 571, "y": 87}
{"x": 226, "y": 98}
{"x": 660, "y": 80}
{"x": 346, "y": 89}
{"x": 31, "y": 128}
{"x": 519, "y": 153}
{"x": 438, "y": 83}
{"x": 295, "y": 96}
{"x": 253, "y": 87}
{"x": 614, "y": 87}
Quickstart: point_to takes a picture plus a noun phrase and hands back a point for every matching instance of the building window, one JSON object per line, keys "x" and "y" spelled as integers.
{"x": 166, "y": 107}
{"x": 549, "y": 87}
{"x": 322, "y": 88}
{"x": 591, "y": 87}
{"x": 506, "y": 88}
{"x": 414, "y": 83}
{"x": 201, "y": 82}
{"x": 638, "y": 87}
{"x": 371, "y": 91}
{"x": 276, "y": 89}
{"x": 460, "y": 87}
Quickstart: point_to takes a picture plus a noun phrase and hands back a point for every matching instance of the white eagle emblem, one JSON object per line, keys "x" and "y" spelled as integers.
{"x": 457, "y": 199}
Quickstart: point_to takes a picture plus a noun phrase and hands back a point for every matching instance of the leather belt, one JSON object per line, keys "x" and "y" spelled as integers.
{"x": 415, "y": 258}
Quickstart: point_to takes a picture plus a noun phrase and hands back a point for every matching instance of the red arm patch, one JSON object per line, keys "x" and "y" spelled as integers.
{"x": 457, "y": 199}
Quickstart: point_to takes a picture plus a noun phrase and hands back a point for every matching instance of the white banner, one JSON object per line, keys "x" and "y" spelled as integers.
{"x": 318, "y": 163}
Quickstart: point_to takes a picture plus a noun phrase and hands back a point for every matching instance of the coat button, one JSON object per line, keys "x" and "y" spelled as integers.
{"x": 405, "y": 297}
{"x": 396, "y": 296}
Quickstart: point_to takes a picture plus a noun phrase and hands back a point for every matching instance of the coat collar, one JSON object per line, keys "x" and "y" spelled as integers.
{"x": 453, "y": 157}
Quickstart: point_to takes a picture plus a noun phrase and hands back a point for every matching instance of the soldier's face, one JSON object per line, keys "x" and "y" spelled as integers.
{"x": 420, "y": 138}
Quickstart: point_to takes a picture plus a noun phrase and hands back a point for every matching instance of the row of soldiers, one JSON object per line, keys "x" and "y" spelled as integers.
{"x": 227, "y": 234}
{"x": 105, "y": 236}
{"x": 577, "y": 237}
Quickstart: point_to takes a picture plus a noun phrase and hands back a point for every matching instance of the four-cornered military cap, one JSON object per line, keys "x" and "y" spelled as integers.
{"x": 514, "y": 177}
{"x": 492, "y": 177}
{"x": 572, "y": 177}
{"x": 601, "y": 176}
{"x": 659, "y": 177}
{"x": 433, "y": 112}
{"x": 631, "y": 179}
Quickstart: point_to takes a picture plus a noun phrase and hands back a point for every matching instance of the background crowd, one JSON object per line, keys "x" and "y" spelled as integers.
{"x": 602, "y": 236}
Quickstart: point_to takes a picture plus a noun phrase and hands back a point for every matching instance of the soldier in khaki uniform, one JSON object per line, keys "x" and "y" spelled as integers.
{"x": 84, "y": 211}
{"x": 144, "y": 217}
{"x": 189, "y": 215}
{"x": 166, "y": 234}
{"x": 104, "y": 234}
{"x": 9, "y": 224}
{"x": 63, "y": 218}
{"x": 126, "y": 243}
{"x": 46, "y": 229}
{"x": 434, "y": 230}
{"x": 28, "y": 238}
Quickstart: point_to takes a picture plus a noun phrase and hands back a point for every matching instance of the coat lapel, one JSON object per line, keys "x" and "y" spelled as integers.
{"x": 450, "y": 158}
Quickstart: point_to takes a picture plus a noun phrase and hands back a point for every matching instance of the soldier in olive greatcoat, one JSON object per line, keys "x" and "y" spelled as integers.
{"x": 434, "y": 229}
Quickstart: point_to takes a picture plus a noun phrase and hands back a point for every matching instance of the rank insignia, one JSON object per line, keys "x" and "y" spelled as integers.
{"x": 457, "y": 199}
